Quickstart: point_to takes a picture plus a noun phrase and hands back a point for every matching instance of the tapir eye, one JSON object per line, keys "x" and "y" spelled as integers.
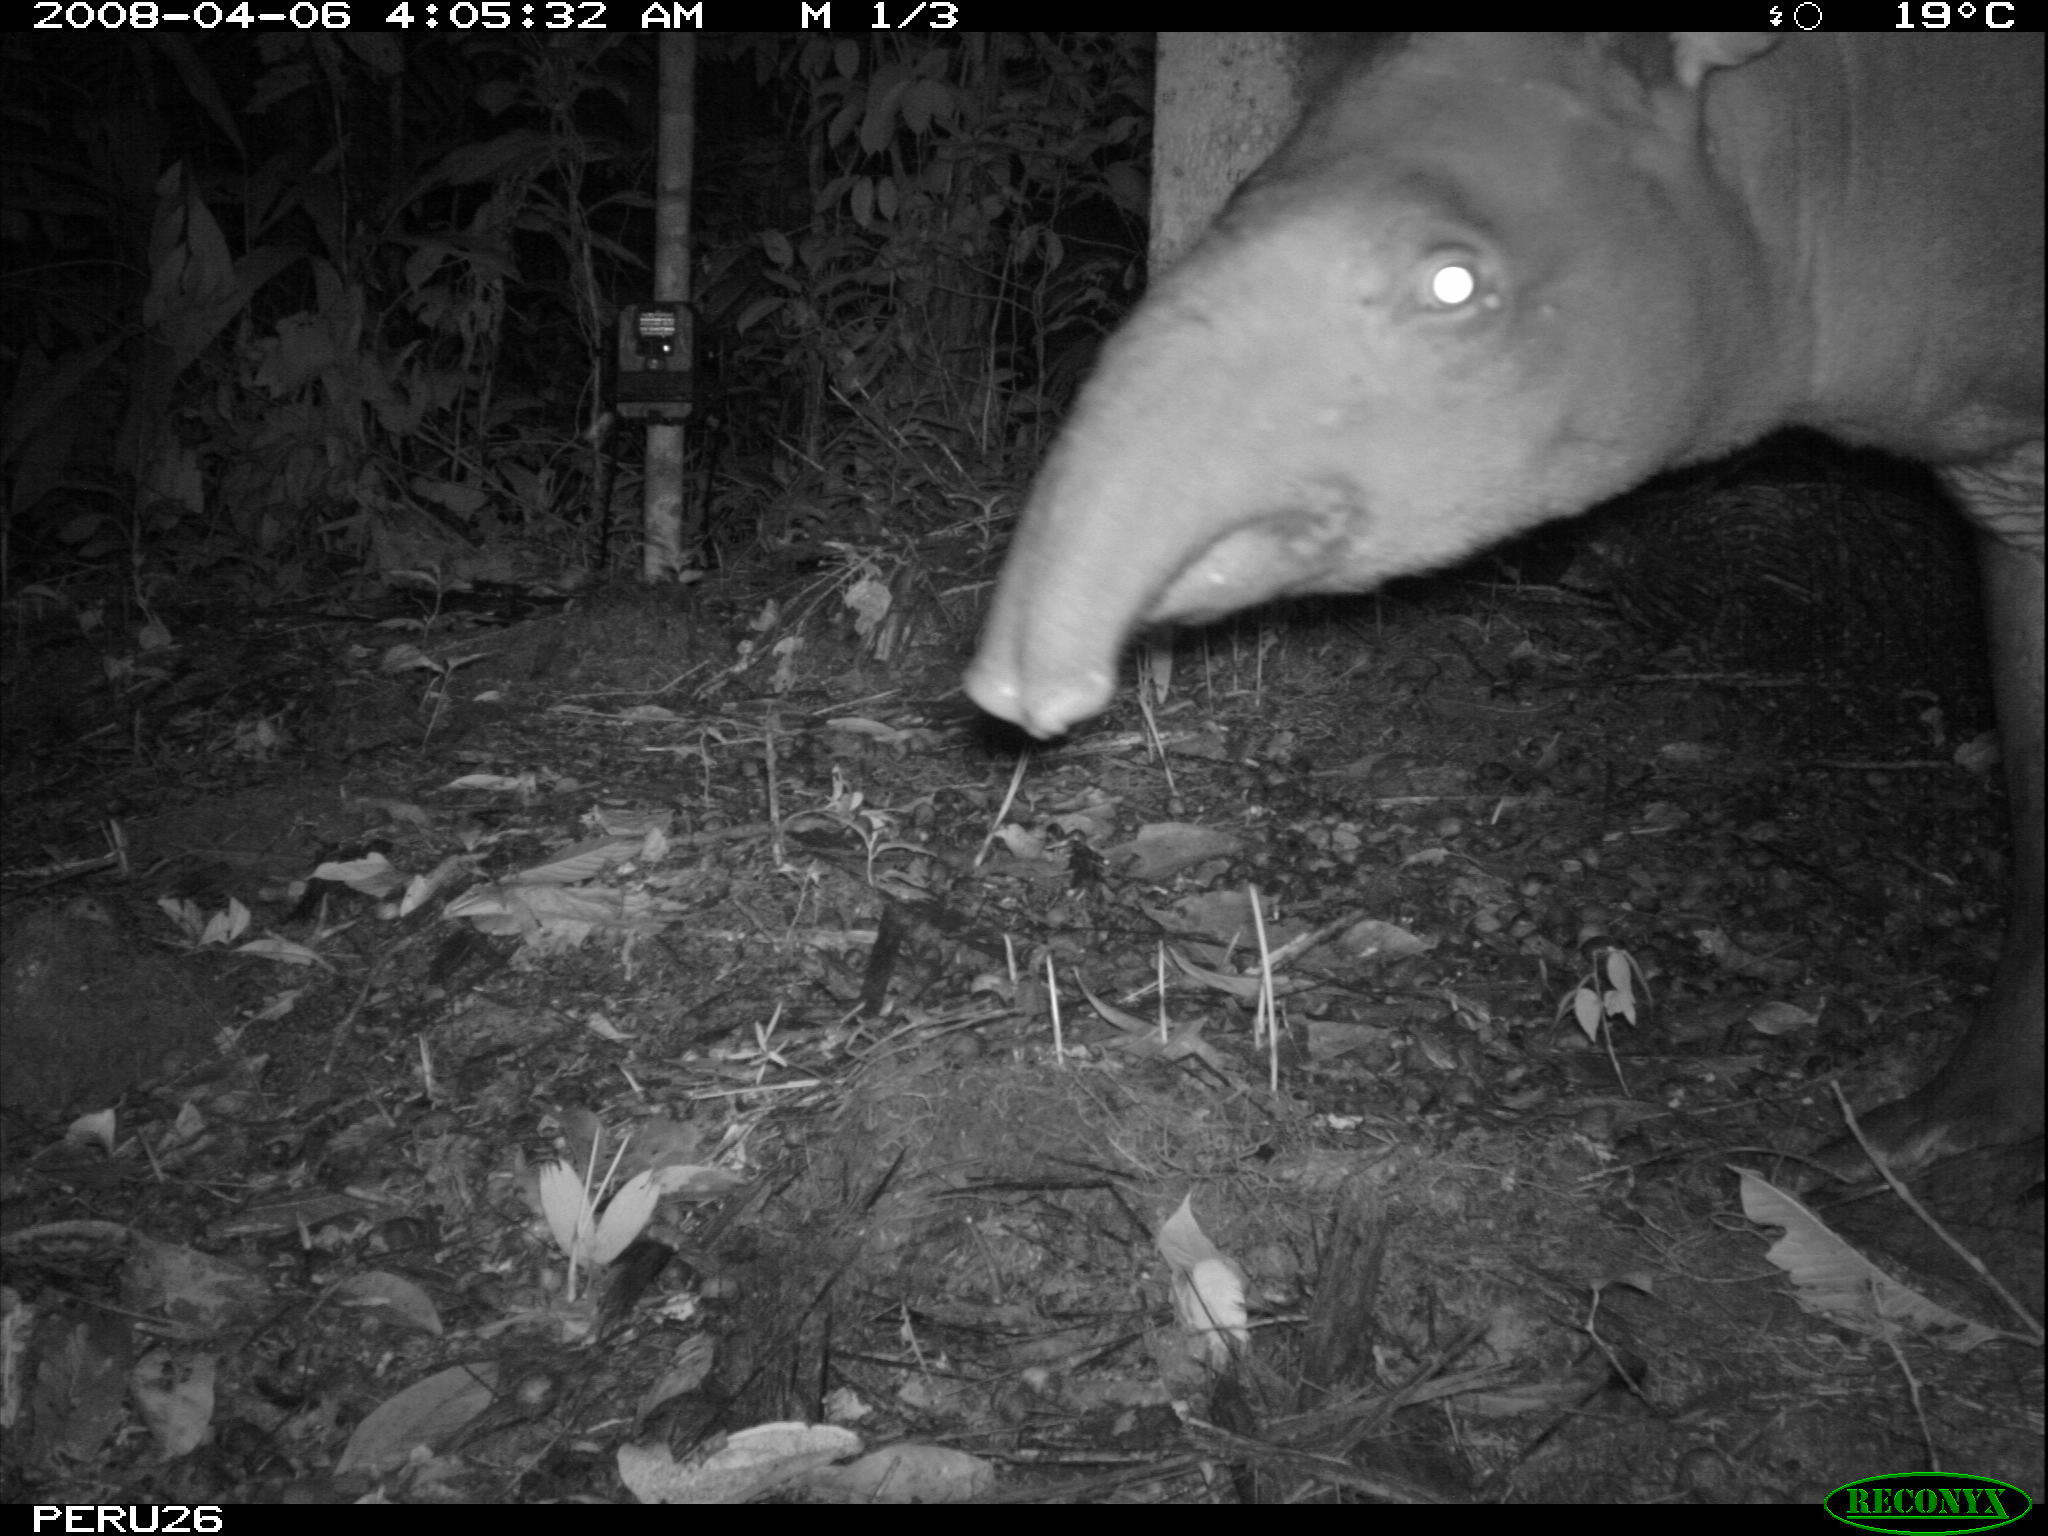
{"x": 1451, "y": 278}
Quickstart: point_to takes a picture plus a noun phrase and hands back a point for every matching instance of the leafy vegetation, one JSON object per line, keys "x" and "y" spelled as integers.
{"x": 297, "y": 308}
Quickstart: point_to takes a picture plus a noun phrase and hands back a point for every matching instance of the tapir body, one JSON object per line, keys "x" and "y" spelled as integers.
{"x": 1494, "y": 279}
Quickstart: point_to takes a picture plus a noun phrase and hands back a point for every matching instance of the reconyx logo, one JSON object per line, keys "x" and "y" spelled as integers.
{"x": 1945, "y": 1502}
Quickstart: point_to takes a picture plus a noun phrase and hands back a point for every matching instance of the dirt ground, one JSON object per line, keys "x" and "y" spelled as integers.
{"x": 686, "y": 886}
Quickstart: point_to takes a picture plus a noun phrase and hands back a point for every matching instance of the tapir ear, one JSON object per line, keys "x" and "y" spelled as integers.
{"x": 1694, "y": 53}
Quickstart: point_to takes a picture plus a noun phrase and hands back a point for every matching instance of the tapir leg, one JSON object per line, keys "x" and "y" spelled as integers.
{"x": 1991, "y": 1090}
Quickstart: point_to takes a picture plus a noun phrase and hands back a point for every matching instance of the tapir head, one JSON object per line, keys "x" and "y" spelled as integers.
{"x": 1482, "y": 286}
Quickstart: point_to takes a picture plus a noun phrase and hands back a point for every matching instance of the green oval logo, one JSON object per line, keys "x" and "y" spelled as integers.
{"x": 1916, "y": 1502}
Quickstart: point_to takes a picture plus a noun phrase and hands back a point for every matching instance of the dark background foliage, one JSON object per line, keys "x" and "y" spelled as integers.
{"x": 270, "y": 302}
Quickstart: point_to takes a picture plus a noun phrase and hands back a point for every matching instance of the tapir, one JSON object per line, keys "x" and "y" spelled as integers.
{"x": 1491, "y": 280}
